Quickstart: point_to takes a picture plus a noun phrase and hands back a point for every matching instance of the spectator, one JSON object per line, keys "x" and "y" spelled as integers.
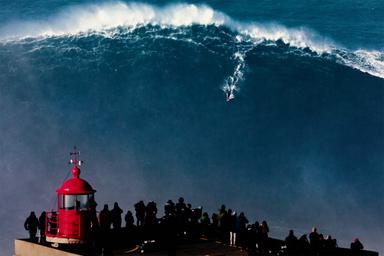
{"x": 222, "y": 229}
{"x": 168, "y": 225}
{"x": 314, "y": 239}
{"x": 356, "y": 245}
{"x": 303, "y": 243}
{"x": 222, "y": 213}
{"x": 92, "y": 208}
{"x": 116, "y": 216}
{"x": 232, "y": 218}
{"x": 205, "y": 223}
{"x": 105, "y": 218}
{"x": 129, "y": 221}
{"x": 181, "y": 216}
{"x": 31, "y": 224}
{"x": 264, "y": 229}
{"x": 263, "y": 237}
{"x": 330, "y": 243}
{"x": 140, "y": 213}
{"x": 169, "y": 208}
{"x": 150, "y": 214}
{"x": 42, "y": 220}
{"x": 291, "y": 241}
{"x": 241, "y": 229}
{"x": 180, "y": 207}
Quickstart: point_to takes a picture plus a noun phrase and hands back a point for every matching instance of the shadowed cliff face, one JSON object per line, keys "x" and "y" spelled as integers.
{"x": 300, "y": 145}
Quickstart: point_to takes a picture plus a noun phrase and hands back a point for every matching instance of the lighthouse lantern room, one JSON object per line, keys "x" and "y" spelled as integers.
{"x": 76, "y": 210}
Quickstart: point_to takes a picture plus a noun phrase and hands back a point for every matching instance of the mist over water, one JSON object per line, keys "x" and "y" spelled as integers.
{"x": 138, "y": 88}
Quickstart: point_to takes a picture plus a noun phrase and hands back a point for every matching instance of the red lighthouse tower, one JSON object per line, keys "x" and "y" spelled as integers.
{"x": 73, "y": 220}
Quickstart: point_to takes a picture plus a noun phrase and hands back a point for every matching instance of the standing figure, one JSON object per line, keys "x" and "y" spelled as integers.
{"x": 116, "y": 216}
{"x": 356, "y": 245}
{"x": 263, "y": 237}
{"x": 241, "y": 229}
{"x": 140, "y": 213}
{"x": 105, "y": 219}
{"x": 314, "y": 239}
{"x": 42, "y": 219}
{"x": 129, "y": 221}
{"x": 232, "y": 219}
{"x": 291, "y": 242}
{"x": 31, "y": 224}
{"x": 92, "y": 208}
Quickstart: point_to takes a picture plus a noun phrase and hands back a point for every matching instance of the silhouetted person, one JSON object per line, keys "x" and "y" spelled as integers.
{"x": 215, "y": 225}
{"x": 140, "y": 213}
{"x": 31, "y": 224}
{"x": 215, "y": 220}
{"x": 105, "y": 226}
{"x": 169, "y": 227}
{"x": 251, "y": 238}
{"x": 231, "y": 222}
{"x": 105, "y": 218}
{"x": 170, "y": 208}
{"x": 330, "y": 243}
{"x": 192, "y": 225}
{"x": 196, "y": 215}
{"x": 221, "y": 214}
{"x": 129, "y": 221}
{"x": 303, "y": 244}
{"x": 321, "y": 242}
{"x": 314, "y": 239}
{"x": 116, "y": 216}
{"x": 42, "y": 220}
{"x": 188, "y": 215}
{"x": 222, "y": 223}
{"x": 91, "y": 205}
{"x": 180, "y": 206}
{"x": 291, "y": 242}
{"x": 263, "y": 237}
{"x": 150, "y": 214}
{"x": 205, "y": 223}
{"x": 264, "y": 229}
{"x": 241, "y": 229}
{"x": 356, "y": 245}
{"x": 181, "y": 216}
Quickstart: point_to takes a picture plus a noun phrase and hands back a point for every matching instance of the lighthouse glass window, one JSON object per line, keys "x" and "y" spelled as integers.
{"x": 71, "y": 202}
{"x": 82, "y": 202}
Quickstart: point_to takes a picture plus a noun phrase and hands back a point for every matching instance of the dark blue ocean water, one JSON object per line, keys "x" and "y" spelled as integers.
{"x": 138, "y": 87}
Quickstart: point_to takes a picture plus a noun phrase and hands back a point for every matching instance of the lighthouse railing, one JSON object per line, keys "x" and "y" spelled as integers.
{"x": 51, "y": 223}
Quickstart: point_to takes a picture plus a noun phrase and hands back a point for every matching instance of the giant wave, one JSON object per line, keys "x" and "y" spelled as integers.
{"x": 117, "y": 19}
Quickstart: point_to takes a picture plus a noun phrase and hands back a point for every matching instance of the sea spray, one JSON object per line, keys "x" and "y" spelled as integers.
{"x": 106, "y": 19}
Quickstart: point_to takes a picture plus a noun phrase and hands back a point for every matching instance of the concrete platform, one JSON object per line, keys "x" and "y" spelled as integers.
{"x": 26, "y": 248}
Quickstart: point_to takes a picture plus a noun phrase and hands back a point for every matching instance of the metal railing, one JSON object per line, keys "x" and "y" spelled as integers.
{"x": 51, "y": 223}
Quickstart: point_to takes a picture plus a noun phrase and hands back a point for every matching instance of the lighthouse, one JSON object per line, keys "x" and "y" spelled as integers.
{"x": 76, "y": 209}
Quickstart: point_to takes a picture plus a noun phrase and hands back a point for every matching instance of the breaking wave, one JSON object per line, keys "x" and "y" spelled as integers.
{"x": 112, "y": 19}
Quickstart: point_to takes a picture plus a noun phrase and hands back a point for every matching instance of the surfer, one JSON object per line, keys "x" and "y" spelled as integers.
{"x": 228, "y": 93}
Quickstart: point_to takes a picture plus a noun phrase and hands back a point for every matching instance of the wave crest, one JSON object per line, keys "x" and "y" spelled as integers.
{"x": 103, "y": 17}
{"x": 106, "y": 16}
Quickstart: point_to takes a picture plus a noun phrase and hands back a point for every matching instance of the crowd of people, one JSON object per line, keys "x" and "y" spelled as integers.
{"x": 181, "y": 222}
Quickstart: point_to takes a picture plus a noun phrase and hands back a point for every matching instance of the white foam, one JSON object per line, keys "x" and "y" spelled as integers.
{"x": 85, "y": 18}
{"x": 296, "y": 37}
{"x": 100, "y": 18}
{"x": 371, "y": 62}
{"x": 231, "y": 82}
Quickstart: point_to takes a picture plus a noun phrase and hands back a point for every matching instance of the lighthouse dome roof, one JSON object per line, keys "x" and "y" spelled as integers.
{"x": 75, "y": 185}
